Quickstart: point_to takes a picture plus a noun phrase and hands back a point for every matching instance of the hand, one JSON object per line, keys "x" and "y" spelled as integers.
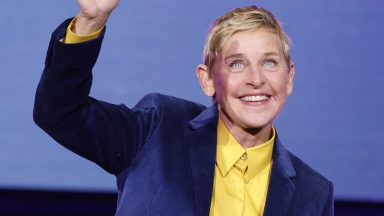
{"x": 93, "y": 15}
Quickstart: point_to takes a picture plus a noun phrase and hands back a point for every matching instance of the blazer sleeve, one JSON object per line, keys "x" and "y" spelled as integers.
{"x": 109, "y": 135}
{"x": 329, "y": 206}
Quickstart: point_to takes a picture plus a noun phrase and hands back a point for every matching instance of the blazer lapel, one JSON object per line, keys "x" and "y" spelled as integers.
{"x": 281, "y": 187}
{"x": 203, "y": 138}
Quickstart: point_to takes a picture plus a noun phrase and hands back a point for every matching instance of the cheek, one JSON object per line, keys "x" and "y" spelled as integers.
{"x": 279, "y": 85}
{"x": 222, "y": 86}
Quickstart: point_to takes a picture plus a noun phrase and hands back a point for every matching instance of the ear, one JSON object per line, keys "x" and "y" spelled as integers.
{"x": 206, "y": 80}
{"x": 290, "y": 78}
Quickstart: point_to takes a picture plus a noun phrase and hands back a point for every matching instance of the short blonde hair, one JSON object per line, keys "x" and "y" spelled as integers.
{"x": 237, "y": 20}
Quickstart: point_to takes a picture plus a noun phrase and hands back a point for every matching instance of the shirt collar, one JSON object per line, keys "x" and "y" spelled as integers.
{"x": 229, "y": 152}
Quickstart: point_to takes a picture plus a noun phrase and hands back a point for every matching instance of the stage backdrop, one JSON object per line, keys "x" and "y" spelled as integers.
{"x": 334, "y": 120}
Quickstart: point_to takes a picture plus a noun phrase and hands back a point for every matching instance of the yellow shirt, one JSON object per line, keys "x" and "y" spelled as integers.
{"x": 241, "y": 176}
{"x": 71, "y": 37}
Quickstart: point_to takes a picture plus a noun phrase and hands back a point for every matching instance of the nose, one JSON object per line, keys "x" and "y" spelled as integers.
{"x": 255, "y": 77}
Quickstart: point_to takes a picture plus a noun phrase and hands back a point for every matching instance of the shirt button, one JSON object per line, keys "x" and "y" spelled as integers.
{"x": 244, "y": 157}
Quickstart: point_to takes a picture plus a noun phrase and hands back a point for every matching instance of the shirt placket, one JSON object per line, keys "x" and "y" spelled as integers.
{"x": 242, "y": 166}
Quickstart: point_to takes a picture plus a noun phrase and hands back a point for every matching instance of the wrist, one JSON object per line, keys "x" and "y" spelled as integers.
{"x": 86, "y": 26}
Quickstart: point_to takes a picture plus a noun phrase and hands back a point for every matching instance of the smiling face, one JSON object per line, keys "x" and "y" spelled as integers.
{"x": 250, "y": 80}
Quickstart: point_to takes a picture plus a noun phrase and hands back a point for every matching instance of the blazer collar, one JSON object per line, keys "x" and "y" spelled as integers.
{"x": 281, "y": 185}
{"x": 203, "y": 138}
{"x": 207, "y": 117}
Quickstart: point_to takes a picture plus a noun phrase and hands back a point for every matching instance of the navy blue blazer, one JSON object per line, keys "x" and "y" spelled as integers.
{"x": 162, "y": 150}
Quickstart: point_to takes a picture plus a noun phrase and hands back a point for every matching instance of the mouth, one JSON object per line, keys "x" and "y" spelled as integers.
{"x": 255, "y": 98}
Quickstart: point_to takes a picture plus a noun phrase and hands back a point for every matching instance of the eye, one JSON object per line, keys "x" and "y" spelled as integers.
{"x": 270, "y": 64}
{"x": 237, "y": 66}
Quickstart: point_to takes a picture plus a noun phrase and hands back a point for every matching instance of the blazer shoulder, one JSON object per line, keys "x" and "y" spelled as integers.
{"x": 306, "y": 173}
{"x": 165, "y": 104}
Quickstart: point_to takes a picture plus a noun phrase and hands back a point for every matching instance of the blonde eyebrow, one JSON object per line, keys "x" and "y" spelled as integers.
{"x": 271, "y": 53}
{"x": 240, "y": 55}
{"x": 235, "y": 55}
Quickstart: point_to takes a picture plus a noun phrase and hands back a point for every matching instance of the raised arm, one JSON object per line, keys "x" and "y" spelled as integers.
{"x": 109, "y": 135}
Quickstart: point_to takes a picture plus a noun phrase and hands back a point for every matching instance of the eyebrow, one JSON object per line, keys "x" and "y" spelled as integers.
{"x": 271, "y": 53}
{"x": 236, "y": 55}
{"x": 240, "y": 55}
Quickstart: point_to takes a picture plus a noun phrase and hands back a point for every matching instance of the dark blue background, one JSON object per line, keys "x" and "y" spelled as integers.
{"x": 334, "y": 119}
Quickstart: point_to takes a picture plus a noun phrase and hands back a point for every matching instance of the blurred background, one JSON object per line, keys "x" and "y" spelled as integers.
{"x": 334, "y": 120}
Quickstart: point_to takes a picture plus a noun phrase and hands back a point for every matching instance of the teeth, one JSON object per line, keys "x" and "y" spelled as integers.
{"x": 256, "y": 98}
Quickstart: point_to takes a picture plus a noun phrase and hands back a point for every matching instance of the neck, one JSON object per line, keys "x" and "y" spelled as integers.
{"x": 249, "y": 137}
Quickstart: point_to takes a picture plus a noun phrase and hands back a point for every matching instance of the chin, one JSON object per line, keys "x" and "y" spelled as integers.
{"x": 258, "y": 125}
{"x": 259, "y": 120}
